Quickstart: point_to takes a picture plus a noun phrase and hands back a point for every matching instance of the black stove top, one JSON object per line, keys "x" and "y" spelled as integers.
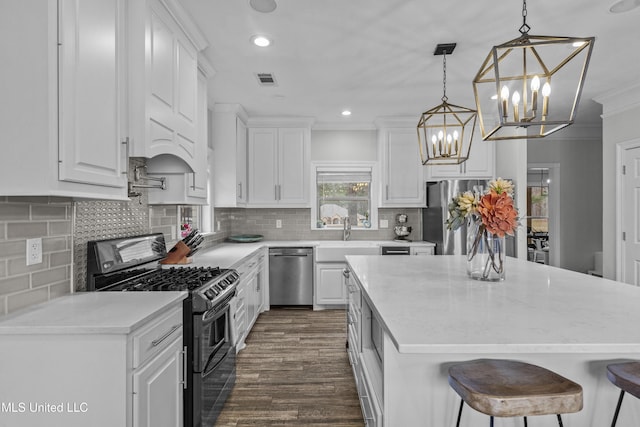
{"x": 170, "y": 279}
{"x": 127, "y": 265}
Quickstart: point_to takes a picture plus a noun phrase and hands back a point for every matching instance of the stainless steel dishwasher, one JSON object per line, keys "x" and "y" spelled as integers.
{"x": 291, "y": 276}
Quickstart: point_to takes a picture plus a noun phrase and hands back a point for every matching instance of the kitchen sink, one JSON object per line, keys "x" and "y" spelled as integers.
{"x": 335, "y": 251}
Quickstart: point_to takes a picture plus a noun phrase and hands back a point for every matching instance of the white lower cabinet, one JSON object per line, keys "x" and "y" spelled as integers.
{"x": 249, "y": 301}
{"x": 367, "y": 368}
{"x": 88, "y": 363}
{"x": 156, "y": 400}
{"x": 422, "y": 250}
{"x": 330, "y": 288}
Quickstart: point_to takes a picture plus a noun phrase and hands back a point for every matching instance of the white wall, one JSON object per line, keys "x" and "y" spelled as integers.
{"x": 344, "y": 145}
{"x": 578, "y": 151}
{"x": 621, "y": 110}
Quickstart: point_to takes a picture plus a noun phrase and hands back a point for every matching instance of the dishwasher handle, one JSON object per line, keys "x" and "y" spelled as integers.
{"x": 290, "y": 252}
{"x": 290, "y": 255}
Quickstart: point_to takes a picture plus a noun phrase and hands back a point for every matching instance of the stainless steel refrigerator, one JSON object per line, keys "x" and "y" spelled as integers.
{"x": 434, "y": 229}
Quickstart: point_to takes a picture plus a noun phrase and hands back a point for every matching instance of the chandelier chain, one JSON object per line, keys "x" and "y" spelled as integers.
{"x": 444, "y": 77}
{"x": 524, "y": 29}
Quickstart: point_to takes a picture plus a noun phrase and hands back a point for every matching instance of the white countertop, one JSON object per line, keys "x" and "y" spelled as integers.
{"x": 429, "y": 305}
{"x": 230, "y": 255}
{"x": 90, "y": 312}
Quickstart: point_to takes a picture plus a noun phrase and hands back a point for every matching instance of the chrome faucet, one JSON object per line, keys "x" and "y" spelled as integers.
{"x": 346, "y": 231}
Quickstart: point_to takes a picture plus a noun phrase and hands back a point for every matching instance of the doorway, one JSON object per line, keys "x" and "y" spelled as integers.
{"x": 629, "y": 184}
{"x": 543, "y": 213}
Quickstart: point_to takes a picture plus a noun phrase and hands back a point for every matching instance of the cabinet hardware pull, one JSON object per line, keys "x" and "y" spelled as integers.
{"x": 125, "y": 142}
{"x": 240, "y": 191}
{"x": 157, "y": 342}
{"x": 185, "y": 373}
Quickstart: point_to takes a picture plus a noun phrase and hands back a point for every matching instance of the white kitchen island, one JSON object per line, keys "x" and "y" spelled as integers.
{"x": 432, "y": 315}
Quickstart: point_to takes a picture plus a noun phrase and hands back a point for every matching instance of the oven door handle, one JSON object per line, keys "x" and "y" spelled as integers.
{"x": 209, "y": 317}
{"x": 206, "y": 372}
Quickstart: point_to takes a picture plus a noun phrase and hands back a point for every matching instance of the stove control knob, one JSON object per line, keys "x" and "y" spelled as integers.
{"x": 209, "y": 294}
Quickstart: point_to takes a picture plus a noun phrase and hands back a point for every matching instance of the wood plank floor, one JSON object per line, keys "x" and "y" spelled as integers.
{"x": 294, "y": 372}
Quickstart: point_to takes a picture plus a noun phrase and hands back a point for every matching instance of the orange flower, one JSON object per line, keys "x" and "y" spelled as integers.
{"x": 498, "y": 213}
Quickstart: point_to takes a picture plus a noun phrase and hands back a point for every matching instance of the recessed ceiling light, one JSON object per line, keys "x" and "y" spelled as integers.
{"x": 624, "y": 6}
{"x": 578, "y": 44}
{"x": 346, "y": 113}
{"x": 261, "y": 41}
{"x": 264, "y": 6}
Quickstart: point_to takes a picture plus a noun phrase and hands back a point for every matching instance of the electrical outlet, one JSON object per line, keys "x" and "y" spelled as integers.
{"x": 218, "y": 226}
{"x": 34, "y": 251}
{"x": 384, "y": 223}
{"x": 278, "y": 223}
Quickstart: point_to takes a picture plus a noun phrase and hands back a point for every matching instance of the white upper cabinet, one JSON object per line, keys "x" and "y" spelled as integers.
{"x": 63, "y": 107}
{"x": 229, "y": 160}
{"x": 279, "y": 160}
{"x": 163, "y": 89}
{"x": 183, "y": 184}
{"x": 481, "y": 163}
{"x": 403, "y": 182}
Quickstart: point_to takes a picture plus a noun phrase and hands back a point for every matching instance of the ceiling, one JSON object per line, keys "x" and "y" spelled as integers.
{"x": 376, "y": 59}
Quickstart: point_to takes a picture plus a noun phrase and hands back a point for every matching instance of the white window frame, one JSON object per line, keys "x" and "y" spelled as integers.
{"x": 346, "y": 166}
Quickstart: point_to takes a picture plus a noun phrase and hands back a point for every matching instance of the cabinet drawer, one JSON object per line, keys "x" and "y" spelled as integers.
{"x": 153, "y": 338}
{"x": 370, "y": 410}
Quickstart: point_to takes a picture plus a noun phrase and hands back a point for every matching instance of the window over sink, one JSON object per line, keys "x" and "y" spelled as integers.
{"x": 344, "y": 190}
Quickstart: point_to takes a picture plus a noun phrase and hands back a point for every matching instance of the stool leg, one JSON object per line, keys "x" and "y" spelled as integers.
{"x": 615, "y": 416}
{"x": 491, "y": 421}
{"x": 460, "y": 413}
{"x": 525, "y": 421}
{"x": 559, "y": 420}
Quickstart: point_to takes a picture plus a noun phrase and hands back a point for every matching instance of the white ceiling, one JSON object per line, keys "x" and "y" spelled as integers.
{"x": 375, "y": 57}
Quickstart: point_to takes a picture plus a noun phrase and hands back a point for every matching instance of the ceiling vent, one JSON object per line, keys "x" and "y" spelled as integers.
{"x": 266, "y": 79}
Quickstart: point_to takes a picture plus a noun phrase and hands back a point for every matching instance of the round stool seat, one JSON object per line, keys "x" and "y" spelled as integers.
{"x": 507, "y": 388}
{"x": 625, "y": 376}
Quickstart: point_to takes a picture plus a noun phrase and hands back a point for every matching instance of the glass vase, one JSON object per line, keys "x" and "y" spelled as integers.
{"x": 485, "y": 253}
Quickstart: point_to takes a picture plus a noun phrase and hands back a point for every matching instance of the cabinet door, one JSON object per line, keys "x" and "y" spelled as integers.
{"x": 263, "y": 172}
{"x": 481, "y": 160}
{"x": 252, "y": 304}
{"x": 402, "y": 169}
{"x": 158, "y": 391}
{"x": 480, "y": 164}
{"x": 172, "y": 94}
{"x": 91, "y": 92}
{"x": 330, "y": 287}
{"x": 293, "y": 161}
{"x": 197, "y": 180}
{"x": 241, "y": 162}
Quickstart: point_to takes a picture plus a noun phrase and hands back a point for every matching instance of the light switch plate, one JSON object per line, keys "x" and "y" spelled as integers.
{"x": 384, "y": 223}
{"x": 278, "y": 223}
{"x": 34, "y": 251}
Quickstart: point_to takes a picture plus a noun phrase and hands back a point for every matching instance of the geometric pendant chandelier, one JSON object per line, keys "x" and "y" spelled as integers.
{"x": 530, "y": 87}
{"x": 445, "y": 132}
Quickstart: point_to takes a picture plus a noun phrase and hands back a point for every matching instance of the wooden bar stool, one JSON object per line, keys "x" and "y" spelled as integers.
{"x": 625, "y": 376}
{"x": 507, "y": 388}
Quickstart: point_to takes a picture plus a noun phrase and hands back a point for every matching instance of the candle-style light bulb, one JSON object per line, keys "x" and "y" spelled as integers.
{"x": 455, "y": 141}
{"x": 440, "y": 136}
{"x": 448, "y": 144}
{"x": 504, "y": 95}
{"x": 535, "y": 87}
{"x": 515, "y": 99}
{"x": 546, "y": 91}
{"x": 434, "y": 140}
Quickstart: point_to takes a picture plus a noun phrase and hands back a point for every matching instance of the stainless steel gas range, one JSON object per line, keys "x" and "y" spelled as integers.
{"x": 131, "y": 265}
